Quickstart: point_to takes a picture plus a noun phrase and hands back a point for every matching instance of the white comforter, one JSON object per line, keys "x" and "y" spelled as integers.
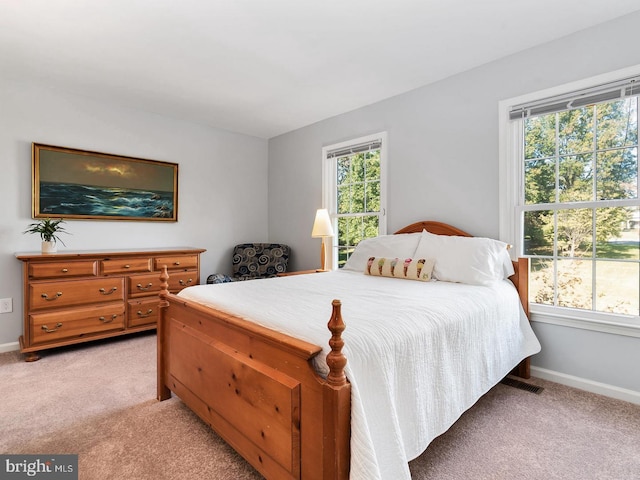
{"x": 419, "y": 353}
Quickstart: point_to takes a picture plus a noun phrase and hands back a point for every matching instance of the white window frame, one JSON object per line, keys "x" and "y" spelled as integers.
{"x": 329, "y": 188}
{"x": 511, "y": 214}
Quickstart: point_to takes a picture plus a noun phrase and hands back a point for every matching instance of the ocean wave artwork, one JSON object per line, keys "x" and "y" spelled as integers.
{"x": 73, "y": 199}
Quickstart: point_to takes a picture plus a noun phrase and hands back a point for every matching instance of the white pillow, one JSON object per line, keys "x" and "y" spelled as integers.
{"x": 402, "y": 245}
{"x": 472, "y": 260}
{"x": 507, "y": 263}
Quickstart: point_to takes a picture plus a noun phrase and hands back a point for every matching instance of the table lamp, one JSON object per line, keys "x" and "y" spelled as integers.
{"x": 322, "y": 228}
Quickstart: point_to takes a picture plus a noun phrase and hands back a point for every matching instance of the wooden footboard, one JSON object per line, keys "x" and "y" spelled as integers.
{"x": 257, "y": 388}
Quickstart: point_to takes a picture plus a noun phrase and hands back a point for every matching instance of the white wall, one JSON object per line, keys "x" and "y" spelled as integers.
{"x": 222, "y": 181}
{"x": 443, "y": 165}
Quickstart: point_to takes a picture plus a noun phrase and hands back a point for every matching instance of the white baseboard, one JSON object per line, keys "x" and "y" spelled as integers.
{"x": 9, "y": 347}
{"x": 588, "y": 385}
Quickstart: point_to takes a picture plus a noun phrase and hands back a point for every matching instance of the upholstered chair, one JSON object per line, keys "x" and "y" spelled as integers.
{"x": 255, "y": 260}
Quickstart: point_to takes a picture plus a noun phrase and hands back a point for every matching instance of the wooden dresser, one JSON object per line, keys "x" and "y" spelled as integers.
{"x": 78, "y": 296}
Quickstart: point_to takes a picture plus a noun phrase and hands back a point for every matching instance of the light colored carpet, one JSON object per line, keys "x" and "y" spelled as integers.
{"x": 98, "y": 400}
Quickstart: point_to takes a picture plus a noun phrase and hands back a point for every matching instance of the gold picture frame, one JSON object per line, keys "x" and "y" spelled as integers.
{"x": 81, "y": 184}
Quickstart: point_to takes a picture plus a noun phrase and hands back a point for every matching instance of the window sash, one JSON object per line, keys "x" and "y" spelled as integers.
{"x": 592, "y": 289}
{"x": 511, "y": 216}
{"x": 330, "y": 156}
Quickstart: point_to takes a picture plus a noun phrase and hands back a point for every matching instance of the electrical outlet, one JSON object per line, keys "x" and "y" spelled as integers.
{"x": 6, "y": 305}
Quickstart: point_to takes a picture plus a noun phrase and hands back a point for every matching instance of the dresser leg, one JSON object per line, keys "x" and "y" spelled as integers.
{"x": 31, "y": 357}
{"x": 28, "y": 356}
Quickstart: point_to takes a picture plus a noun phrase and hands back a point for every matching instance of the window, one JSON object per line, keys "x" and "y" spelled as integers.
{"x": 576, "y": 211}
{"x": 354, "y": 193}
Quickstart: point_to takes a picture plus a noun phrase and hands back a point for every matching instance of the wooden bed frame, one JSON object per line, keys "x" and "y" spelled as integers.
{"x": 257, "y": 388}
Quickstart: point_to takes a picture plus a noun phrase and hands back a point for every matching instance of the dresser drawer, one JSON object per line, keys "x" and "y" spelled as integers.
{"x": 125, "y": 265}
{"x": 144, "y": 284}
{"x": 80, "y": 268}
{"x": 75, "y": 292}
{"x": 77, "y": 322}
{"x": 143, "y": 311}
{"x": 180, "y": 280}
{"x": 178, "y": 262}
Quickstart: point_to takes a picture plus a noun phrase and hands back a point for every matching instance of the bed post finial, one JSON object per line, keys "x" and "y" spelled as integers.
{"x": 164, "y": 287}
{"x": 336, "y": 359}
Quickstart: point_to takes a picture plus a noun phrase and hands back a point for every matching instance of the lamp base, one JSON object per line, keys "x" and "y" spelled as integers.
{"x": 323, "y": 257}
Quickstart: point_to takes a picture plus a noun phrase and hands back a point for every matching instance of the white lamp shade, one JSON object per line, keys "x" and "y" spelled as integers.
{"x": 322, "y": 225}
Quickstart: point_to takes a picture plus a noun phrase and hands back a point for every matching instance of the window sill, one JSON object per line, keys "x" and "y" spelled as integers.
{"x": 569, "y": 318}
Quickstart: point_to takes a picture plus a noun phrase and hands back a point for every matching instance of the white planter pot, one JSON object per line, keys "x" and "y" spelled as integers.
{"x": 49, "y": 247}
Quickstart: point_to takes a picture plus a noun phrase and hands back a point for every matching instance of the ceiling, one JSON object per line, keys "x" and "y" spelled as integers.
{"x": 266, "y": 67}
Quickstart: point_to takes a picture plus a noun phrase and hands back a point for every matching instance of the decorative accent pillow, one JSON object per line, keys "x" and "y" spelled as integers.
{"x": 472, "y": 260}
{"x": 402, "y": 245}
{"x": 410, "y": 269}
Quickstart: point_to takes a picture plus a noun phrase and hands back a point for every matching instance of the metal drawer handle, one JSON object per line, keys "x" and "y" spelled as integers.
{"x": 46, "y": 329}
{"x": 145, "y": 315}
{"x": 127, "y": 266}
{"x": 186, "y": 283}
{"x": 140, "y": 287}
{"x": 104, "y": 292}
{"x": 104, "y": 320}
{"x": 46, "y": 297}
{"x": 65, "y": 270}
{"x": 176, "y": 263}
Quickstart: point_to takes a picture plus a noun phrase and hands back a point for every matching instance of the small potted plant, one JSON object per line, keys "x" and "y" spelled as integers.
{"x": 48, "y": 230}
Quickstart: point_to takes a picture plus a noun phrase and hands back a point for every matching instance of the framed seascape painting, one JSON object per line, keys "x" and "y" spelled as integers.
{"x": 78, "y": 184}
